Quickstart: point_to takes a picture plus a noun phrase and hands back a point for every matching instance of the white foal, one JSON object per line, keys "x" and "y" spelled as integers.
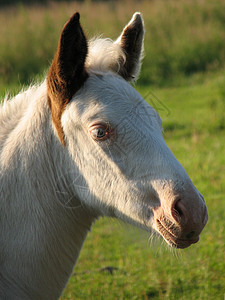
{"x": 81, "y": 145}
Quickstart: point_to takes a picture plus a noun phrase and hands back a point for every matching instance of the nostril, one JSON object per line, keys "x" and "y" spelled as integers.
{"x": 178, "y": 209}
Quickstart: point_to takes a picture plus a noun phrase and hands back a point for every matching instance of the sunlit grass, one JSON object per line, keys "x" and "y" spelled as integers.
{"x": 182, "y": 37}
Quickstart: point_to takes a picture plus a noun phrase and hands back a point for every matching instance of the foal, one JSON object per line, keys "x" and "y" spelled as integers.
{"x": 81, "y": 145}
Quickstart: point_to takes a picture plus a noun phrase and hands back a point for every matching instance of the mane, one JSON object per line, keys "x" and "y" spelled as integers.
{"x": 104, "y": 55}
{"x": 13, "y": 109}
{"x": 12, "y": 104}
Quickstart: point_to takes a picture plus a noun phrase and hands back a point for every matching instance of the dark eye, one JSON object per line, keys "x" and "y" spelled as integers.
{"x": 99, "y": 132}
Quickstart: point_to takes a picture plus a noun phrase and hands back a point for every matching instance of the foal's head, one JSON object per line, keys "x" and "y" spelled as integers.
{"x": 121, "y": 164}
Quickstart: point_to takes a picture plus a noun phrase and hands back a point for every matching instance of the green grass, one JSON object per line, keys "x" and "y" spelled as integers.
{"x": 195, "y": 131}
{"x": 182, "y": 37}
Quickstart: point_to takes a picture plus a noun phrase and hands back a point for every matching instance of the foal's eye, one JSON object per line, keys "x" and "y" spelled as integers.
{"x": 99, "y": 132}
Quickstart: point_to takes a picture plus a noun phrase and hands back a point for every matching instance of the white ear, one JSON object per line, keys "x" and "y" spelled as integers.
{"x": 131, "y": 42}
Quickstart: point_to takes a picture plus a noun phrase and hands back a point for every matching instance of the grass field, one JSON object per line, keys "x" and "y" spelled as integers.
{"x": 182, "y": 37}
{"x": 184, "y": 71}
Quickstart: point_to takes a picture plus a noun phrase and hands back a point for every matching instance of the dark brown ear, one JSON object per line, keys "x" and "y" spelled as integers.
{"x": 67, "y": 72}
{"x": 132, "y": 43}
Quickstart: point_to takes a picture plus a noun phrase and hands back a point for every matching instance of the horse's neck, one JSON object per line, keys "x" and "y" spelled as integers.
{"x": 37, "y": 225}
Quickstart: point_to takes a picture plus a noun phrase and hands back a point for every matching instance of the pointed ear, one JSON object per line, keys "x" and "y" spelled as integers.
{"x": 131, "y": 42}
{"x": 67, "y": 72}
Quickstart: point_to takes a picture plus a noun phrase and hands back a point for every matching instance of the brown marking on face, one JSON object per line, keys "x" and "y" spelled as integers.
{"x": 67, "y": 73}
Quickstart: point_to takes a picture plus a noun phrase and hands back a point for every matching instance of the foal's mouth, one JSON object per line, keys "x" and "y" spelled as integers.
{"x": 172, "y": 236}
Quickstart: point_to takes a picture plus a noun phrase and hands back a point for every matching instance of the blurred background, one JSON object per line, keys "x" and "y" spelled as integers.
{"x": 183, "y": 38}
{"x": 183, "y": 78}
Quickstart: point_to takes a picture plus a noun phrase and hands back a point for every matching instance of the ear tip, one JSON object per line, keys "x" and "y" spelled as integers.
{"x": 73, "y": 22}
{"x": 75, "y": 17}
{"x": 137, "y": 18}
{"x": 137, "y": 14}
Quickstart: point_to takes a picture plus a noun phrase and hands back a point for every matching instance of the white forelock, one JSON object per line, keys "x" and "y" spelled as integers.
{"x": 104, "y": 55}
